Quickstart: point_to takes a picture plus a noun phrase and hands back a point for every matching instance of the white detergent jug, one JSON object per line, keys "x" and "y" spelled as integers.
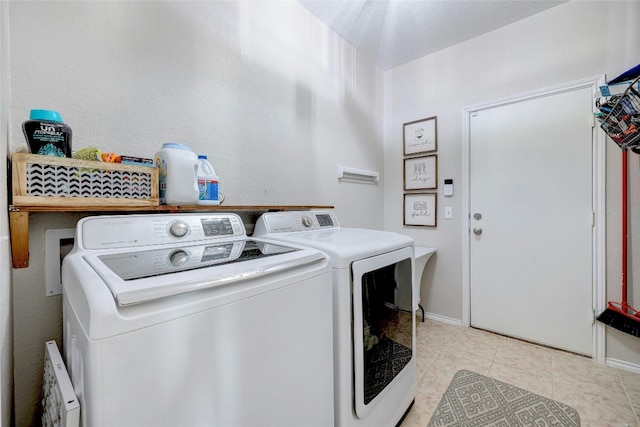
{"x": 208, "y": 183}
{"x": 178, "y": 179}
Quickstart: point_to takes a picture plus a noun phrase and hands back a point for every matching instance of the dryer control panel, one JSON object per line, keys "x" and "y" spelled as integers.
{"x": 126, "y": 231}
{"x": 286, "y": 222}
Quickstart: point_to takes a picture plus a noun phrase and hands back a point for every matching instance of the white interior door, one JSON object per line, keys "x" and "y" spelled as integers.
{"x": 531, "y": 219}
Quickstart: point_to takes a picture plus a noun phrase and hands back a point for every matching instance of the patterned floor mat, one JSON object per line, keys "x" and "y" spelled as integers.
{"x": 386, "y": 361}
{"x": 475, "y": 400}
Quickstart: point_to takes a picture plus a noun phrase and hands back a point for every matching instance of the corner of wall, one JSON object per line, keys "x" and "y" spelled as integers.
{"x": 6, "y": 335}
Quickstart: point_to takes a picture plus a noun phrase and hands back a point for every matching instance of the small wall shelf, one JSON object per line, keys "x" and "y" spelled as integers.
{"x": 19, "y": 219}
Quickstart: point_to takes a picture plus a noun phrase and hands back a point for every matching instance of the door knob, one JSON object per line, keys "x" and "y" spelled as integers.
{"x": 477, "y": 231}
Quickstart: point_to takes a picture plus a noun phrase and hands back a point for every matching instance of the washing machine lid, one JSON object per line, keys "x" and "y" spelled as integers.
{"x": 145, "y": 274}
{"x": 320, "y": 229}
{"x": 345, "y": 245}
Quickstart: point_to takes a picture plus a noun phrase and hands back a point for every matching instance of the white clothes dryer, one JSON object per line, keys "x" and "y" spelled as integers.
{"x": 374, "y": 321}
{"x": 181, "y": 320}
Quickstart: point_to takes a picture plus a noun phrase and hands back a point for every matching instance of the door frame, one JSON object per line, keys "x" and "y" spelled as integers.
{"x": 598, "y": 202}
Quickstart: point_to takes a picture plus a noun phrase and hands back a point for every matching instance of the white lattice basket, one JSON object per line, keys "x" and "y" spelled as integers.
{"x": 47, "y": 180}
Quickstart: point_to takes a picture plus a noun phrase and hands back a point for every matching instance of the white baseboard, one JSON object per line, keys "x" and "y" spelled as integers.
{"x": 622, "y": 364}
{"x": 443, "y": 319}
{"x": 616, "y": 363}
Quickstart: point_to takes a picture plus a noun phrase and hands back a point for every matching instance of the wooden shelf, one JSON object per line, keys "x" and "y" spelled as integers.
{"x": 19, "y": 219}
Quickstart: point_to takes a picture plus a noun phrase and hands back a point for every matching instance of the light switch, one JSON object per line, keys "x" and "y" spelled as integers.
{"x": 448, "y": 212}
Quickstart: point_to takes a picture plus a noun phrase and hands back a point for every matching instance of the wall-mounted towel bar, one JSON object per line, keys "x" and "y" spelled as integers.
{"x": 346, "y": 174}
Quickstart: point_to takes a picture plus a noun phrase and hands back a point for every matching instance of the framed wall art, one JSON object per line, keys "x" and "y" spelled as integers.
{"x": 421, "y": 173}
{"x": 420, "y": 209}
{"x": 420, "y": 136}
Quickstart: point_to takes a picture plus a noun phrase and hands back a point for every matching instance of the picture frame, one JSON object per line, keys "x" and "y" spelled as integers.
{"x": 420, "y": 209}
{"x": 420, "y": 136}
{"x": 421, "y": 173}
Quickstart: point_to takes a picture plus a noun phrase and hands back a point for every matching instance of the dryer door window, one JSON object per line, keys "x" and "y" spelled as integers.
{"x": 384, "y": 324}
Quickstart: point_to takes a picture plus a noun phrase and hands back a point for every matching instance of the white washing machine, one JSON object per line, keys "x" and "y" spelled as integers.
{"x": 181, "y": 320}
{"x": 374, "y": 322}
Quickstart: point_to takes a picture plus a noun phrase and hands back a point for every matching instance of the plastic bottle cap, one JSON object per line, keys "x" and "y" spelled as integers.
{"x": 202, "y": 157}
{"x": 46, "y": 115}
{"x": 176, "y": 145}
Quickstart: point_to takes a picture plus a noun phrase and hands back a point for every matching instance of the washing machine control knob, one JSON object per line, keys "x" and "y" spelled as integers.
{"x": 179, "y": 229}
{"x": 307, "y": 221}
{"x": 178, "y": 258}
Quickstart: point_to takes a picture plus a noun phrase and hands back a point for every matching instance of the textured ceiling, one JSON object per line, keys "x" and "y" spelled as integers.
{"x": 393, "y": 32}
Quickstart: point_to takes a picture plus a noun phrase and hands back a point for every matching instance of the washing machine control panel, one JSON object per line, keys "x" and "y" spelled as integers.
{"x": 307, "y": 221}
{"x": 178, "y": 228}
{"x": 124, "y": 231}
{"x": 286, "y": 222}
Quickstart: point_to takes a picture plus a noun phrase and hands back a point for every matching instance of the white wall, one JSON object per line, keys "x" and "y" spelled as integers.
{"x": 277, "y": 101}
{"x": 570, "y": 42}
{"x": 6, "y": 333}
{"x": 274, "y": 98}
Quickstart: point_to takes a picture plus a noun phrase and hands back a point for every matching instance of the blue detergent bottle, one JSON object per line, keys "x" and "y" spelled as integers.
{"x": 208, "y": 183}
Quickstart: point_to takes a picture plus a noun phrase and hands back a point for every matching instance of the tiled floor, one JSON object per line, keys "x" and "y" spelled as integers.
{"x": 602, "y": 395}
